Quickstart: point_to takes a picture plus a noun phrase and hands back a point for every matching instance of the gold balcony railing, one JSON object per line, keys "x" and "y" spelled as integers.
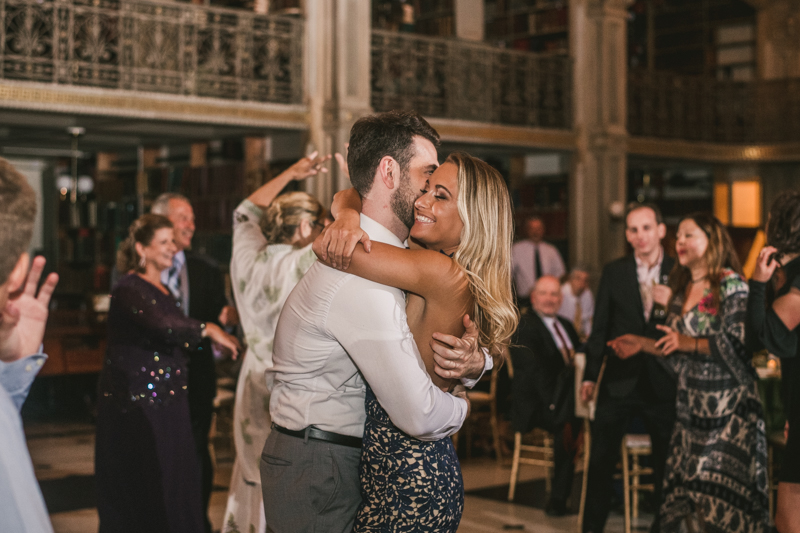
{"x": 667, "y": 105}
{"x": 142, "y": 45}
{"x": 450, "y": 78}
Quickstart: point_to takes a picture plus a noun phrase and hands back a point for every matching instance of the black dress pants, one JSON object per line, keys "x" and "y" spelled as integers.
{"x": 611, "y": 421}
{"x": 565, "y": 437}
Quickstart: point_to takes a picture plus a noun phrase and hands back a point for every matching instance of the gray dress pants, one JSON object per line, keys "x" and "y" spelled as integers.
{"x": 309, "y": 486}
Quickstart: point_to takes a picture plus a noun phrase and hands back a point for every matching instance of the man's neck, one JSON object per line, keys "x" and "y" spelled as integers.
{"x": 651, "y": 258}
{"x": 383, "y": 215}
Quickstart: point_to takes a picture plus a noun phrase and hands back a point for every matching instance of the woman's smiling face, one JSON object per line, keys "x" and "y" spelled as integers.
{"x": 437, "y": 223}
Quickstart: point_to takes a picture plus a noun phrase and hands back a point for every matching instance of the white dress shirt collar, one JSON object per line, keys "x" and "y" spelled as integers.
{"x": 379, "y": 233}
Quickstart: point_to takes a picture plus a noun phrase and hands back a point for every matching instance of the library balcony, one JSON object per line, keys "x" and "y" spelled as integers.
{"x": 667, "y": 105}
{"x": 466, "y": 80}
{"x": 151, "y": 59}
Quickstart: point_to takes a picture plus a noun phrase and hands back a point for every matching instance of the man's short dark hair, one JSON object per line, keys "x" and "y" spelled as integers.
{"x": 17, "y": 214}
{"x": 375, "y": 136}
{"x": 633, "y": 206}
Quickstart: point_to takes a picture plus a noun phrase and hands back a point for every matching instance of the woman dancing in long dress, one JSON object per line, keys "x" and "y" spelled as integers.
{"x": 463, "y": 220}
{"x": 272, "y": 238}
{"x": 716, "y": 473}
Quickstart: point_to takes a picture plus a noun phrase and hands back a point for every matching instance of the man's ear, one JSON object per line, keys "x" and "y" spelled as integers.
{"x": 388, "y": 172}
{"x": 18, "y": 275}
{"x": 662, "y": 231}
{"x": 305, "y": 228}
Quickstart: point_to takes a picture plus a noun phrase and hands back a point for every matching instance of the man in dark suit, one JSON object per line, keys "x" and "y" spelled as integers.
{"x": 543, "y": 390}
{"x": 630, "y": 299}
{"x": 197, "y": 283}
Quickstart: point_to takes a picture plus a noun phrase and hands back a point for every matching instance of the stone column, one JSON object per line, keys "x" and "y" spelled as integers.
{"x": 470, "y": 23}
{"x": 337, "y": 73}
{"x": 598, "y": 45}
{"x": 777, "y": 38}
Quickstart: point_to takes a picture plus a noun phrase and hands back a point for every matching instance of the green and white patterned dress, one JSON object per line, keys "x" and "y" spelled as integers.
{"x": 717, "y": 468}
{"x": 262, "y": 276}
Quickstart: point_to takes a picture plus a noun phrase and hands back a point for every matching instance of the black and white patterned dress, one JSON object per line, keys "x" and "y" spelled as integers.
{"x": 407, "y": 485}
{"x": 717, "y": 468}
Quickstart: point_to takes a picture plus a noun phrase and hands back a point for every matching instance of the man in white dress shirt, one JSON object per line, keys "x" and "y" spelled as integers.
{"x": 577, "y": 302}
{"x": 533, "y": 258}
{"x": 337, "y": 331}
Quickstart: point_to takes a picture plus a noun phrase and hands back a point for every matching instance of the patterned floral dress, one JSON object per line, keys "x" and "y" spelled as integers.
{"x": 262, "y": 276}
{"x": 407, "y": 485}
{"x": 717, "y": 469}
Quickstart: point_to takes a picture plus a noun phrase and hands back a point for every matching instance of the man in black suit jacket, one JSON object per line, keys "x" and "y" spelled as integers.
{"x": 197, "y": 282}
{"x": 640, "y": 385}
{"x": 543, "y": 389}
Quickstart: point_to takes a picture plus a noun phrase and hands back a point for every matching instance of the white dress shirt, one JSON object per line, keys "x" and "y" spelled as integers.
{"x": 648, "y": 276}
{"x": 550, "y": 321}
{"x": 338, "y": 330}
{"x": 569, "y": 305}
{"x": 525, "y": 274}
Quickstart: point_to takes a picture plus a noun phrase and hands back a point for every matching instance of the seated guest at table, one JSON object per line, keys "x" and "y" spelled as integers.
{"x": 716, "y": 474}
{"x": 577, "y": 302}
{"x": 772, "y": 324}
{"x": 148, "y": 476}
{"x": 543, "y": 390}
{"x": 271, "y": 252}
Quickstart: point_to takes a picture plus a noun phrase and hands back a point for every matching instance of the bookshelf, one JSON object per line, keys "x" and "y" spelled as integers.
{"x": 714, "y": 38}
{"x": 530, "y": 25}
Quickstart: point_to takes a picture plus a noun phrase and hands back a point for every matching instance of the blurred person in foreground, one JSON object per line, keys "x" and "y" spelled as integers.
{"x": 773, "y": 314}
{"x": 534, "y": 258}
{"x": 543, "y": 390}
{"x": 148, "y": 478}
{"x": 629, "y": 290}
{"x": 577, "y": 302}
{"x": 198, "y": 285}
{"x": 716, "y": 474}
{"x": 22, "y": 323}
{"x": 272, "y": 238}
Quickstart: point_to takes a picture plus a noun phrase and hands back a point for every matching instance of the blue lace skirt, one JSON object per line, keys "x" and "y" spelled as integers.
{"x": 407, "y": 485}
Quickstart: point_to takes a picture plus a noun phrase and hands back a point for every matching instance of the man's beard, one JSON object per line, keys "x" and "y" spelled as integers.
{"x": 402, "y": 202}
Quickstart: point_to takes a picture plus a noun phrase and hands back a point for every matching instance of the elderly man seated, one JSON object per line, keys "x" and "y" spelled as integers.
{"x": 543, "y": 391}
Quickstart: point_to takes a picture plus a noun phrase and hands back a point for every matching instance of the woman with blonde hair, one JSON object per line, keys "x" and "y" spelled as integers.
{"x": 716, "y": 474}
{"x": 459, "y": 263}
{"x": 272, "y": 238}
{"x": 146, "y": 478}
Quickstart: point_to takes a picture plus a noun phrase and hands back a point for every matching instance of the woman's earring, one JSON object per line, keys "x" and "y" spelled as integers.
{"x": 142, "y": 262}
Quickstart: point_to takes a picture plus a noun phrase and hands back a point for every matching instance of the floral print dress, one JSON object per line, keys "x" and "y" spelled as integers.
{"x": 262, "y": 276}
{"x": 717, "y": 469}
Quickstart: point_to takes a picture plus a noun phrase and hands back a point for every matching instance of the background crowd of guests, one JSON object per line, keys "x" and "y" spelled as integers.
{"x": 667, "y": 341}
{"x": 671, "y": 343}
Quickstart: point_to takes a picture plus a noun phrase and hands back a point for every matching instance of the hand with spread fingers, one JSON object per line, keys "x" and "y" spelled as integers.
{"x": 457, "y": 358}
{"x": 765, "y": 264}
{"x": 307, "y": 167}
{"x": 25, "y": 315}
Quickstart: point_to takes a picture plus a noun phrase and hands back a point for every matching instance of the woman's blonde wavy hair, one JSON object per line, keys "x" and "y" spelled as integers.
{"x": 286, "y": 212}
{"x": 485, "y": 250}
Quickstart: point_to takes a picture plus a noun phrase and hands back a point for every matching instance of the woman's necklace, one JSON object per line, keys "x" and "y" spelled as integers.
{"x": 698, "y": 280}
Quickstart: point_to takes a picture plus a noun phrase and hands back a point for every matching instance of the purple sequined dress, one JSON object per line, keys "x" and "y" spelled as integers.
{"x": 148, "y": 477}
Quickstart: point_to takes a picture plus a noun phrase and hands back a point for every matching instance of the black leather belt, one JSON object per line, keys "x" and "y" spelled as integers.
{"x": 318, "y": 434}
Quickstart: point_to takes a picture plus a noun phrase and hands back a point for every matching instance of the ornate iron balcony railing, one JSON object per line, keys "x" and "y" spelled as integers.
{"x": 450, "y": 78}
{"x": 143, "y": 45}
{"x": 667, "y": 105}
